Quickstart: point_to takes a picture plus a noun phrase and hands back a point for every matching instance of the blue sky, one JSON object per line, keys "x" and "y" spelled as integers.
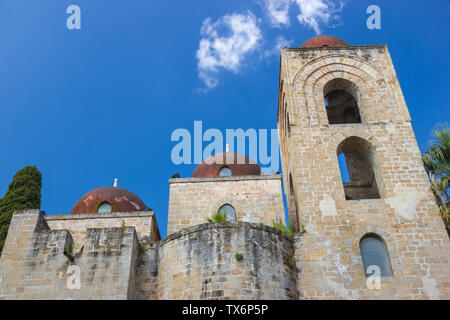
{"x": 86, "y": 106}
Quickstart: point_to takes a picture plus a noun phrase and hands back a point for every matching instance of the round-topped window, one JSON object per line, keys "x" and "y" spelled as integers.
{"x": 105, "y": 207}
{"x": 229, "y": 211}
{"x": 374, "y": 253}
{"x": 225, "y": 172}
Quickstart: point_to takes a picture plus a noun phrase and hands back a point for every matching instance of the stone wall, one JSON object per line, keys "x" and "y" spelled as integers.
{"x": 200, "y": 263}
{"x": 405, "y": 216}
{"x": 33, "y": 264}
{"x": 195, "y": 263}
{"x": 33, "y": 258}
{"x": 255, "y": 198}
{"x": 147, "y": 272}
{"x": 143, "y": 221}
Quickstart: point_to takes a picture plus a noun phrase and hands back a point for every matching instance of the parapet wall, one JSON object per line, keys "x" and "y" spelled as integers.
{"x": 33, "y": 264}
{"x": 144, "y": 222}
{"x": 200, "y": 263}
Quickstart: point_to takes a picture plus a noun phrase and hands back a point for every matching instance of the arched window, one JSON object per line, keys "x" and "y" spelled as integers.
{"x": 357, "y": 156}
{"x": 374, "y": 253}
{"x": 341, "y": 101}
{"x": 105, "y": 207}
{"x": 230, "y": 212}
{"x": 225, "y": 172}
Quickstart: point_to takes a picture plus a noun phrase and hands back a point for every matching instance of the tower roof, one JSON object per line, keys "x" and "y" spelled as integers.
{"x": 324, "y": 41}
{"x": 239, "y": 165}
{"x": 120, "y": 200}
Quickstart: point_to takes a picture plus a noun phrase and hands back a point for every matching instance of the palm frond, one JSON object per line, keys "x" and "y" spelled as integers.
{"x": 437, "y": 164}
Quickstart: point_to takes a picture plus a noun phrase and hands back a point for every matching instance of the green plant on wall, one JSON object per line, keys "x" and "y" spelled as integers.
{"x": 302, "y": 228}
{"x": 70, "y": 249}
{"x": 290, "y": 260}
{"x": 239, "y": 257}
{"x": 123, "y": 228}
{"x": 145, "y": 244}
{"x": 286, "y": 230}
{"x": 220, "y": 216}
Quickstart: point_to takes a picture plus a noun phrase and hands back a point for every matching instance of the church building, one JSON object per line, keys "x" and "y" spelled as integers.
{"x": 376, "y": 235}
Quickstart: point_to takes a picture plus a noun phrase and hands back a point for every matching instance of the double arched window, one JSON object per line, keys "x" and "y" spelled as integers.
{"x": 375, "y": 256}
{"x": 229, "y": 211}
{"x": 105, "y": 207}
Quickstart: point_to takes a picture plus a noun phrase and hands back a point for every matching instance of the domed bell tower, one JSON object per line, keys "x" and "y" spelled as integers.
{"x": 354, "y": 177}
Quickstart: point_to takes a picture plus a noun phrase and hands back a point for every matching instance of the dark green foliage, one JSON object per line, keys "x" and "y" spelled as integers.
{"x": 239, "y": 257}
{"x": 437, "y": 163}
{"x": 123, "y": 229}
{"x": 221, "y": 216}
{"x": 70, "y": 249}
{"x": 285, "y": 230}
{"x": 24, "y": 192}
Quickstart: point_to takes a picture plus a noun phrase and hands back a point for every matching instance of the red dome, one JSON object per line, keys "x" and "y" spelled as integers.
{"x": 239, "y": 165}
{"x": 324, "y": 41}
{"x": 120, "y": 200}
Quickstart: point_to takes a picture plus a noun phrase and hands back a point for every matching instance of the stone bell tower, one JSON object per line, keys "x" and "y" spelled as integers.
{"x": 340, "y": 101}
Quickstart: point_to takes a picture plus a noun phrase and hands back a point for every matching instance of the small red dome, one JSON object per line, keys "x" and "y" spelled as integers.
{"x": 239, "y": 165}
{"x": 324, "y": 41}
{"x": 120, "y": 200}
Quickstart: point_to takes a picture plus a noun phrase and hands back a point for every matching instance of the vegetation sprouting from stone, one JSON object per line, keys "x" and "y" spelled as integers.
{"x": 220, "y": 216}
{"x": 302, "y": 228}
{"x": 286, "y": 230}
{"x": 70, "y": 249}
{"x": 239, "y": 257}
{"x": 123, "y": 228}
{"x": 24, "y": 192}
{"x": 437, "y": 164}
{"x": 145, "y": 244}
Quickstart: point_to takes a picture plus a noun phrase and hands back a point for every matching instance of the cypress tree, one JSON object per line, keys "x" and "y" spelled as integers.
{"x": 24, "y": 192}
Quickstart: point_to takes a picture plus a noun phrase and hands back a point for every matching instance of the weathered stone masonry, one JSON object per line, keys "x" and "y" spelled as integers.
{"x": 404, "y": 214}
{"x": 195, "y": 263}
{"x": 333, "y": 102}
{"x": 256, "y": 199}
{"x": 33, "y": 265}
{"x": 200, "y": 263}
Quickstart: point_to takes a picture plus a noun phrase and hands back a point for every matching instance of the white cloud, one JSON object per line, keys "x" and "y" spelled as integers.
{"x": 315, "y": 12}
{"x": 278, "y": 12}
{"x": 280, "y": 42}
{"x": 225, "y": 43}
